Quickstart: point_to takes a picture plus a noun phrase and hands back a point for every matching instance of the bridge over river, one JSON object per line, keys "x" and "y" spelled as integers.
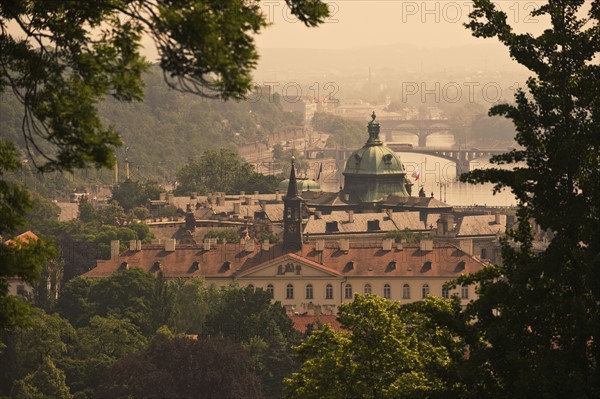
{"x": 462, "y": 157}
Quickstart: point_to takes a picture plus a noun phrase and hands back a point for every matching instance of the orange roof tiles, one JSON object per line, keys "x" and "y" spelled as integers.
{"x": 22, "y": 238}
{"x": 230, "y": 261}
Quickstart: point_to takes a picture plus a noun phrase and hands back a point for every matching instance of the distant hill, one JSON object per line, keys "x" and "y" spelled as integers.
{"x": 168, "y": 127}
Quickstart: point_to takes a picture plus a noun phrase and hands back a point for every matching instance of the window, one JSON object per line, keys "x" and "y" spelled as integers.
{"x": 309, "y": 291}
{"x": 425, "y": 291}
{"x": 329, "y": 291}
{"x": 348, "y": 291}
{"x": 406, "y": 291}
{"x": 387, "y": 291}
{"x": 483, "y": 253}
{"x": 289, "y": 292}
{"x": 445, "y": 292}
{"x": 367, "y": 289}
{"x": 271, "y": 290}
{"x": 464, "y": 292}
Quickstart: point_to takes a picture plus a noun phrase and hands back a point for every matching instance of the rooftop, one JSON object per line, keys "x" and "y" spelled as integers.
{"x": 228, "y": 261}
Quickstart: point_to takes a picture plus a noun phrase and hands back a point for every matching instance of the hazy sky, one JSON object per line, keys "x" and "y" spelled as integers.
{"x": 357, "y": 23}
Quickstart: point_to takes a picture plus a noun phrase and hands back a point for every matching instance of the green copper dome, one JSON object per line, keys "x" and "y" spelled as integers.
{"x": 302, "y": 184}
{"x": 375, "y": 170}
{"x": 374, "y": 160}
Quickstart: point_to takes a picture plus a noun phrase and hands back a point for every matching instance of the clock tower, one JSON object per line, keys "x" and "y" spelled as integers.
{"x": 292, "y": 215}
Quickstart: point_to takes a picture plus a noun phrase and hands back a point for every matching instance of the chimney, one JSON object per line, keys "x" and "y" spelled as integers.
{"x": 426, "y": 245}
{"x": 170, "y": 245}
{"x": 277, "y": 196}
{"x": 265, "y": 245}
{"x": 350, "y": 216}
{"x": 170, "y": 199}
{"x": 249, "y": 246}
{"x": 449, "y": 222}
{"x": 344, "y": 245}
{"x": 249, "y": 200}
{"x": 190, "y": 220}
{"x": 318, "y": 215}
{"x": 441, "y": 229}
{"x": 256, "y": 193}
{"x": 237, "y": 207}
{"x": 133, "y": 245}
{"x": 219, "y": 200}
{"x": 242, "y": 194}
{"x": 320, "y": 245}
{"x": 114, "y": 249}
{"x": 263, "y": 206}
{"x": 497, "y": 217}
{"x": 387, "y": 244}
{"x": 138, "y": 245}
{"x": 389, "y": 213}
{"x": 162, "y": 196}
{"x": 207, "y": 245}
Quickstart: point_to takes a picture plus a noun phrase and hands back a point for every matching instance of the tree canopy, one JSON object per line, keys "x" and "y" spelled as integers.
{"x": 61, "y": 58}
{"x": 222, "y": 171}
{"x": 386, "y": 351}
{"x": 539, "y": 312}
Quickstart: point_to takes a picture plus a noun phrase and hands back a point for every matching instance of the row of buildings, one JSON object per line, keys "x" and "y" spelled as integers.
{"x": 331, "y": 246}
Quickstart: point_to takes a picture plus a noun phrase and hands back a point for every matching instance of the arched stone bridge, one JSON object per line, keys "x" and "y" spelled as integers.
{"x": 462, "y": 157}
{"x": 419, "y": 127}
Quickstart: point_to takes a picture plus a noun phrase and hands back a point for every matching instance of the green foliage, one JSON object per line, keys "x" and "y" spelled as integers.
{"x": 229, "y": 235}
{"x": 26, "y": 258}
{"x": 131, "y": 194}
{"x": 265, "y": 235}
{"x": 222, "y": 170}
{"x": 60, "y": 70}
{"x": 29, "y": 344}
{"x": 246, "y": 315}
{"x": 46, "y": 382}
{"x": 73, "y": 303}
{"x": 343, "y": 132}
{"x": 183, "y": 367}
{"x": 540, "y": 312}
{"x": 191, "y": 306}
{"x": 404, "y": 235}
{"x": 389, "y": 351}
{"x": 99, "y": 346}
{"x": 126, "y": 294}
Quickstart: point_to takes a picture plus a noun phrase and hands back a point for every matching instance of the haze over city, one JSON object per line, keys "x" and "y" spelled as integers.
{"x": 299, "y": 199}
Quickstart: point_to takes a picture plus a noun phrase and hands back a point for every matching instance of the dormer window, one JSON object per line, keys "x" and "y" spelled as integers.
{"x": 387, "y": 159}
{"x": 331, "y": 226}
{"x": 373, "y": 225}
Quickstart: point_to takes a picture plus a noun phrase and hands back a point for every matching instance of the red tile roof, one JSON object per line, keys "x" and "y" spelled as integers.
{"x": 23, "y": 238}
{"x": 302, "y": 322}
{"x": 231, "y": 260}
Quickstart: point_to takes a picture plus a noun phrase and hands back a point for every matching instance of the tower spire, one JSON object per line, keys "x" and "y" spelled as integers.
{"x": 293, "y": 185}
{"x": 292, "y": 215}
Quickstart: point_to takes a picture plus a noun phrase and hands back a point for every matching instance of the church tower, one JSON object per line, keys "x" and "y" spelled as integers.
{"x": 292, "y": 215}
